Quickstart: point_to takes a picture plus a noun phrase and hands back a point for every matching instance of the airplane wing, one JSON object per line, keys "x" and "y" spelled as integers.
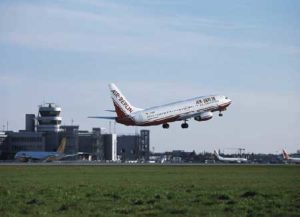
{"x": 58, "y": 158}
{"x": 50, "y": 158}
{"x": 70, "y": 155}
{"x": 103, "y": 117}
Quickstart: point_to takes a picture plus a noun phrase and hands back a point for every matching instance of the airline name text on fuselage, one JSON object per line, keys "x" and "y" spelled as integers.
{"x": 206, "y": 100}
{"x": 122, "y": 100}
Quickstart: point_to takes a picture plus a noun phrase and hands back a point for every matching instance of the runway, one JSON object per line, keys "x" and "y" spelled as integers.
{"x": 95, "y": 163}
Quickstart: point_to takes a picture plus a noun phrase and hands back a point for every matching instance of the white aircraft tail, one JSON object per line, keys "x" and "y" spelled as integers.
{"x": 122, "y": 105}
{"x": 285, "y": 155}
{"x": 216, "y": 154}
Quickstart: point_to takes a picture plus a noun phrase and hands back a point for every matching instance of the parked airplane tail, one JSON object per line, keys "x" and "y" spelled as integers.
{"x": 61, "y": 147}
{"x": 285, "y": 155}
{"x": 216, "y": 154}
{"x": 122, "y": 105}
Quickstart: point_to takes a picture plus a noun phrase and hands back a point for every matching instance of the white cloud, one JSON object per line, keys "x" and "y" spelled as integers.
{"x": 120, "y": 31}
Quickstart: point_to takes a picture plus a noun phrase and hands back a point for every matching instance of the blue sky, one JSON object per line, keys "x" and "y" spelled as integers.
{"x": 158, "y": 52}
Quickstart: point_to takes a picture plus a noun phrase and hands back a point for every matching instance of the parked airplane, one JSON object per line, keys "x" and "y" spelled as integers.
{"x": 230, "y": 159}
{"x": 290, "y": 159}
{"x": 199, "y": 108}
{"x": 43, "y": 155}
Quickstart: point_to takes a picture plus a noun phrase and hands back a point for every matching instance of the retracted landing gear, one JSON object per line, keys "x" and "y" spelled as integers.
{"x": 184, "y": 125}
{"x": 166, "y": 126}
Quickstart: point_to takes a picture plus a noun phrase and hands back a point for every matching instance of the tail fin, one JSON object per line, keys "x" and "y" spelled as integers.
{"x": 122, "y": 105}
{"x": 216, "y": 154}
{"x": 61, "y": 147}
{"x": 285, "y": 155}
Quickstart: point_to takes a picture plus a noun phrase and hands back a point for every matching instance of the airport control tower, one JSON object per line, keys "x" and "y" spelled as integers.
{"x": 48, "y": 118}
{"x": 49, "y": 122}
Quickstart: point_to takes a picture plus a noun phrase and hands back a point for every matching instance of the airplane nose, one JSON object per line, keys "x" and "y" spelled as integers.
{"x": 227, "y": 100}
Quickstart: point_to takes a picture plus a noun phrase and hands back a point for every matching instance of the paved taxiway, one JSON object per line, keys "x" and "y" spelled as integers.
{"x": 95, "y": 163}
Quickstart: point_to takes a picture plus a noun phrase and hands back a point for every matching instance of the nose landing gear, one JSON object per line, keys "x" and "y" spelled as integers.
{"x": 221, "y": 110}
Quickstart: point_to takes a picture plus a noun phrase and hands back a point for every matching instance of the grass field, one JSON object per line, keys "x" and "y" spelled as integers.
{"x": 150, "y": 190}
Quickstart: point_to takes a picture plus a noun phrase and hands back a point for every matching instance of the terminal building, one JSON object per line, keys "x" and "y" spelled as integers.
{"x": 91, "y": 142}
{"x": 134, "y": 147}
{"x": 44, "y": 133}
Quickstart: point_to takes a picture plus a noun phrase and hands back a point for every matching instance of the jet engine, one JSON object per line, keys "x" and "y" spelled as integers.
{"x": 204, "y": 116}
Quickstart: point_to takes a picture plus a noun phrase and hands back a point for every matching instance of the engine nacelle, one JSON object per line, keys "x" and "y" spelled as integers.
{"x": 205, "y": 116}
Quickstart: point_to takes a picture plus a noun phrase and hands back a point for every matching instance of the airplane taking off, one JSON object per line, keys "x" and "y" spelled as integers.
{"x": 230, "y": 159}
{"x": 25, "y": 156}
{"x": 199, "y": 108}
{"x": 290, "y": 159}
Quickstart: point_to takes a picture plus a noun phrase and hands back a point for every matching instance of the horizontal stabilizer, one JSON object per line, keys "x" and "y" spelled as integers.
{"x": 110, "y": 110}
{"x": 103, "y": 117}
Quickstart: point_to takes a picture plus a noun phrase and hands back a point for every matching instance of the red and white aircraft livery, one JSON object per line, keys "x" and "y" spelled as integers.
{"x": 290, "y": 159}
{"x": 199, "y": 108}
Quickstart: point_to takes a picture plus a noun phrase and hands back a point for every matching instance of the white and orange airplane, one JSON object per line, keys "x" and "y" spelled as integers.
{"x": 290, "y": 159}
{"x": 199, "y": 108}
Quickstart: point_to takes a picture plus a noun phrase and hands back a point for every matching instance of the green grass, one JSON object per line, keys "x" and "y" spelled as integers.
{"x": 150, "y": 190}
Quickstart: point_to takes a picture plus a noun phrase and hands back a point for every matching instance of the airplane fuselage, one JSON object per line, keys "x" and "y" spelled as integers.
{"x": 232, "y": 160}
{"x": 293, "y": 160}
{"x": 200, "y": 108}
{"x": 37, "y": 155}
